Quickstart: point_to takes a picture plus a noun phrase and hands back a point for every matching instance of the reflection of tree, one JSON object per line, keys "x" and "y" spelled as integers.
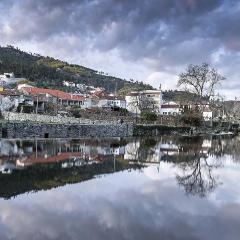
{"x": 141, "y": 149}
{"x": 197, "y": 178}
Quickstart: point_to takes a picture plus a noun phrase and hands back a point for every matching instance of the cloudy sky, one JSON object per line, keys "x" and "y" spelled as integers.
{"x": 148, "y": 40}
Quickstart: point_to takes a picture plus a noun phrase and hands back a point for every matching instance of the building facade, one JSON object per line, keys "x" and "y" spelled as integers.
{"x": 9, "y": 78}
{"x": 150, "y": 100}
{"x": 170, "y": 108}
{"x": 55, "y": 96}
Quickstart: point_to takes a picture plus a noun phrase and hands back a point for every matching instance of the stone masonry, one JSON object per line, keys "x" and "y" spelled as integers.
{"x": 40, "y": 130}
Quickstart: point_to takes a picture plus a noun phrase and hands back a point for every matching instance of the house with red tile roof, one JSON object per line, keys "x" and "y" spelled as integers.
{"x": 55, "y": 96}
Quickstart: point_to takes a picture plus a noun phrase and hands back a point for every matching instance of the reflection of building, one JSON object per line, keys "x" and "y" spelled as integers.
{"x": 131, "y": 150}
{"x": 17, "y": 154}
{"x": 7, "y": 167}
{"x": 206, "y": 145}
{"x": 79, "y": 153}
{"x": 169, "y": 148}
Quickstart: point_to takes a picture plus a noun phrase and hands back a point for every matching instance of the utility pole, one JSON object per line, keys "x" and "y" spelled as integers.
{"x": 57, "y": 103}
{"x": 37, "y": 106}
{"x": 115, "y": 89}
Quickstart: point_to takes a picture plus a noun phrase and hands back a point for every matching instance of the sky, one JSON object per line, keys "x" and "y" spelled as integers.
{"x": 147, "y": 40}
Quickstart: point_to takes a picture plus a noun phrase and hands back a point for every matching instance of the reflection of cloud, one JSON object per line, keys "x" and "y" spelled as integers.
{"x": 109, "y": 208}
{"x": 153, "y": 171}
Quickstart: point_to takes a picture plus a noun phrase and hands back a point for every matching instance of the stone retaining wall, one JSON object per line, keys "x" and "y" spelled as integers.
{"x": 25, "y": 117}
{"x": 31, "y": 130}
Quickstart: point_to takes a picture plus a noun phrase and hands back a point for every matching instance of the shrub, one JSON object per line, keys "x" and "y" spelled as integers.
{"x": 25, "y": 108}
{"x": 76, "y": 112}
{"x": 192, "y": 117}
{"x": 149, "y": 116}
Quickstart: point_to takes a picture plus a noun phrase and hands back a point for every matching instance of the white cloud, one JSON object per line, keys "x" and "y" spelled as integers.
{"x": 167, "y": 80}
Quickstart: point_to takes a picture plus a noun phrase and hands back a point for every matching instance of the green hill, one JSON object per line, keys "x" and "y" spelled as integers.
{"x": 180, "y": 96}
{"x": 49, "y": 72}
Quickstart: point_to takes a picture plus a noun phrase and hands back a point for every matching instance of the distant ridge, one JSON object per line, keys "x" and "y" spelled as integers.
{"x": 50, "y": 73}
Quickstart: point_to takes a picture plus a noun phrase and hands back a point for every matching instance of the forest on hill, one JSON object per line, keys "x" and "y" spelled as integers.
{"x": 179, "y": 96}
{"x": 50, "y": 73}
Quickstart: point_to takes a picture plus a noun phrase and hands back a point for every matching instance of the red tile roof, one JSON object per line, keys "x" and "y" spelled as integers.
{"x": 54, "y": 93}
{"x": 170, "y": 106}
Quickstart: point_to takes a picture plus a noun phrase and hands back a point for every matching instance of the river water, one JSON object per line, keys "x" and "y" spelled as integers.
{"x": 136, "y": 188}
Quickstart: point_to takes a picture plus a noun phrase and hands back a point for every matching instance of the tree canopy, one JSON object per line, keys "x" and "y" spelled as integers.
{"x": 201, "y": 80}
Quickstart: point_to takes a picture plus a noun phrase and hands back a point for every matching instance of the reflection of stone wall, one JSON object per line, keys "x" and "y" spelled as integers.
{"x": 157, "y": 130}
{"x": 31, "y": 130}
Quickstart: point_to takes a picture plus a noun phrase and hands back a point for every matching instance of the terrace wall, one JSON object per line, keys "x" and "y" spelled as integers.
{"x": 42, "y": 130}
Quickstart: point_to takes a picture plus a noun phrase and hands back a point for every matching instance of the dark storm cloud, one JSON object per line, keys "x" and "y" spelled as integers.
{"x": 40, "y": 19}
{"x": 171, "y": 33}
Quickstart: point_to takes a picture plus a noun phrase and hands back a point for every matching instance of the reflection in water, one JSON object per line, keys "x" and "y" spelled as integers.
{"x": 168, "y": 187}
{"x": 197, "y": 178}
{"x": 42, "y": 164}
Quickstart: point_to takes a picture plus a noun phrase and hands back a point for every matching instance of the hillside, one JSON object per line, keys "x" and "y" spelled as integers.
{"x": 179, "y": 96}
{"x": 50, "y": 72}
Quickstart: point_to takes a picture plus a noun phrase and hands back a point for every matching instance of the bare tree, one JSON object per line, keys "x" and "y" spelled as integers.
{"x": 142, "y": 103}
{"x": 147, "y": 103}
{"x": 201, "y": 80}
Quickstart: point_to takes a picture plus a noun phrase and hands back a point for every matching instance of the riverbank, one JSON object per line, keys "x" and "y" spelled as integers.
{"x": 55, "y": 130}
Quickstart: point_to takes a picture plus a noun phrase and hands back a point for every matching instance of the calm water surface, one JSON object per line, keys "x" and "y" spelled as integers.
{"x": 163, "y": 188}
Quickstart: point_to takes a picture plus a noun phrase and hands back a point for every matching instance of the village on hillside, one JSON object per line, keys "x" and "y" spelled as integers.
{"x": 17, "y": 95}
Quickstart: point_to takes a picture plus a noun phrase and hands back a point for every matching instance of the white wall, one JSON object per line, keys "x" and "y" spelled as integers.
{"x": 6, "y": 103}
{"x": 120, "y": 103}
{"x": 207, "y": 115}
{"x": 170, "y": 111}
{"x": 112, "y": 103}
{"x": 131, "y": 104}
{"x": 153, "y": 95}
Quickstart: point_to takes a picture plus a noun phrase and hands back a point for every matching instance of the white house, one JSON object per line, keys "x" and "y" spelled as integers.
{"x": 111, "y": 101}
{"x": 90, "y": 103}
{"x": 205, "y": 108}
{"x": 132, "y": 102}
{"x": 170, "y": 108}
{"x": 9, "y": 78}
{"x": 207, "y": 114}
{"x": 152, "y": 99}
{"x": 6, "y": 103}
{"x": 23, "y": 85}
{"x": 69, "y": 84}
